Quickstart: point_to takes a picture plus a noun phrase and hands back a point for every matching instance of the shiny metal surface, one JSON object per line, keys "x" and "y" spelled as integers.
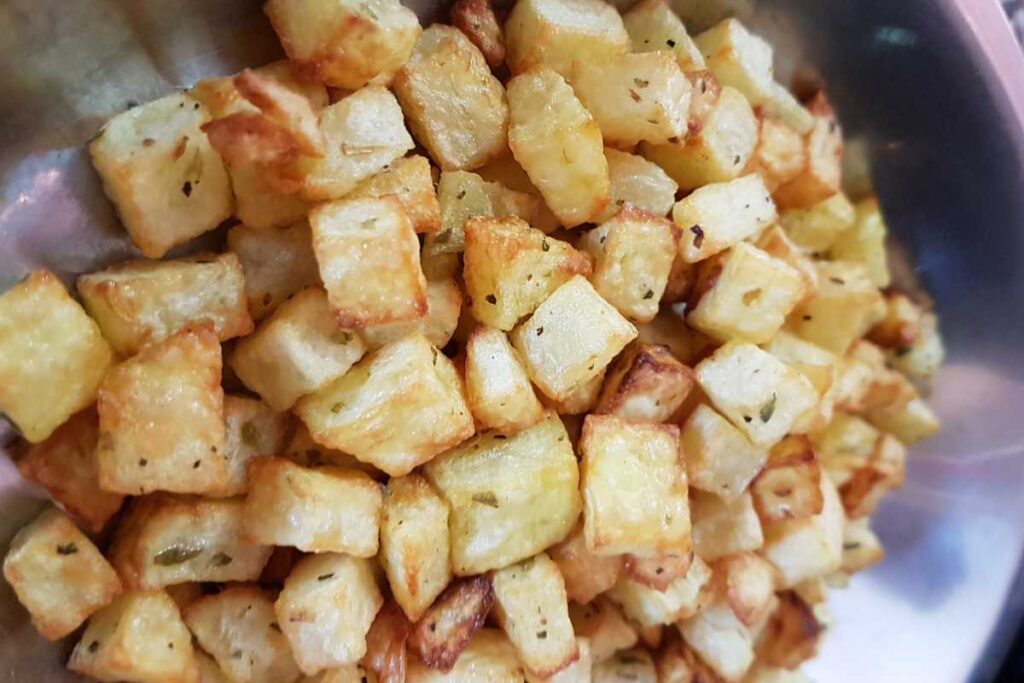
{"x": 933, "y": 90}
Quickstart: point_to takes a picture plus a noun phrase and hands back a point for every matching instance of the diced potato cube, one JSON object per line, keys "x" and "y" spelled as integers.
{"x": 488, "y": 658}
{"x": 302, "y": 450}
{"x": 580, "y": 400}
{"x": 411, "y": 181}
{"x": 639, "y": 182}
{"x": 58, "y": 574}
{"x": 902, "y": 324}
{"x": 792, "y": 635}
{"x": 634, "y": 488}
{"x": 822, "y": 176}
{"x": 627, "y": 666}
{"x": 535, "y": 505}
{"x": 140, "y": 302}
{"x": 558, "y": 33}
{"x": 277, "y": 264}
{"x": 497, "y": 386}
{"x": 586, "y": 574}
{"x": 298, "y": 350}
{"x": 634, "y": 97}
{"x": 368, "y": 411}
{"x": 749, "y": 295}
{"x": 345, "y": 43}
{"x": 139, "y": 637}
{"x": 776, "y": 243}
{"x": 759, "y": 394}
{"x": 157, "y": 166}
{"x": 779, "y": 156}
{"x": 681, "y": 280}
{"x": 884, "y": 470}
{"x": 652, "y": 25}
{"x": 716, "y": 217}
{"x": 841, "y": 310}
{"x": 165, "y": 540}
{"x": 738, "y": 58}
{"x": 556, "y": 140}
{"x": 414, "y": 543}
{"x": 476, "y": 18}
{"x": 633, "y": 253}
{"x": 65, "y": 465}
{"x": 253, "y": 430}
{"x": 511, "y": 268}
{"x": 444, "y": 631}
{"x": 369, "y": 261}
{"x": 222, "y": 98}
{"x": 789, "y": 486}
{"x": 646, "y": 384}
{"x": 162, "y": 418}
{"x": 531, "y": 606}
{"x": 818, "y": 226}
{"x": 571, "y": 338}
{"x": 719, "y": 148}
{"x": 365, "y": 132}
{"x": 52, "y": 356}
{"x": 259, "y": 204}
{"x": 722, "y": 527}
{"x": 239, "y": 628}
{"x": 658, "y": 572}
{"x": 444, "y": 307}
{"x": 782, "y": 105}
{"x": 455, "y": 106}
{"x": 911, "y": 423}
{"x": 811, "y": 547}
{"x": 327, "y": 509}
{"x": 861, "y": 547}
{"x": 747, "y": 583}
{"x": 921, "y": 359}
{"x": 603, "y": 625}
{"x": 845, "y": 444}
{"x": 326, "y": 608}
{"x": 386, "y": 657}
{"x": 668, "y": 330}
{"x": 648, "y": 606}
{"x": 719, "y": 458}
{"x": 721, "y": 640}
{"x": 578, "y": 671}
{"x": 865, "y": 242}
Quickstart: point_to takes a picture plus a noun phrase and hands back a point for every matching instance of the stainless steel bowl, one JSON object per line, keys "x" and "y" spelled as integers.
{"x": 933, "y": 92}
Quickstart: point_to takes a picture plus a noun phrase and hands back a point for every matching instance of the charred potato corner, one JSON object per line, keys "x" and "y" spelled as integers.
{"x": 543, "y": 346}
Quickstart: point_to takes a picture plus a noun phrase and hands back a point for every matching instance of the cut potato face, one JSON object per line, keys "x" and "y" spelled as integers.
{"x": 557, "y": 34}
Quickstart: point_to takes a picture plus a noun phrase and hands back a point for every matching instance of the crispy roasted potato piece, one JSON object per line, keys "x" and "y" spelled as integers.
{"x": 58, "y": 575}
{"x": 579, "y": 671}
{"x": 649, "y": 606}
{"x": 601, "y": 622}
{"x": 883, "y": 471}
{"x": 807, "y": 548}
{"x": 818, "y": 226}
{"x": 166, "y": 180}
{"x": 488, "y": 658}
{"x": 634, "y": 488}
{"x": 346, "y": 44}
{"x": 747, "y": 583}
{"x": 865, "y": 242}
{"x": 821, "y": 178}
{"x": 722, "y": 527}
{"x": 716, "y": 217}
{"x": 776, "y": 243}
{"x": 627, "y": 666}
{"x": 652, "y": 26}
{"x": 586, "y": 574}
{"x": 902, "y": 324}
{"x": 720, "y": 639}
{"x": 658, "y": 572}
{"x": 477, "y": 20}
{"x": 444, "y": 307}
{"x": 738, "y": 59}
{"x": 528, "y": 500}
{"x": 162, "y": 418}
{"x": 841, "y": 310}
{"x": 410, "y": 180}
{"x": 720, "y": 459}
{"x": 581, "y": 400}
{"x": 558, "y": 33}
{"x": 639, "y": 182}
{"x": 788, "y": 487}
{"x": 668, "y": 329}
{"x": 779, "y": 156}
{"x": 65, "y": 465}
{"x": 222, "y": 97}
{"x": 792, "y": 635}
{"x": 277, "y": 263}
{"x": 385, "y": 644}
{"x": 497, "y": 387}
{"x": 281, "y": 104}
{"x": 645, "y": 384}
{"x": 557, "y": 141}
{"x": 447, "y": 627}
{"x": 52, "y": 356}
{"x": 254, "y": 430}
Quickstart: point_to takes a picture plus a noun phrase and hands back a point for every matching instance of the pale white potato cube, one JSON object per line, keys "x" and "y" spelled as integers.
{"x": 817, "y": 227}
{"x": 578, "y": 671}
{"x": 719, "y": 458}
{"x": 649, "y": 606}
{"x": 258, "y": 203}
{"x": 637, "y": 181}
{"x": 558, "y": 33}
{"x": 586, "y": 574}
{"x": 910, "y": 423}
{"x": 776, "y": 243}
{"x": 488, "y": 658}
{"x": 721, "y": 640}
{"x": 254, "y": 430}
{"x": 602, "y": 623}
{"x": 718, "y": 216}
{"x": 444, "y": 307}
{"x": 782, "y": 105}
{"x": 841, "y": 310}
{"x": 722, "y": 527}
{"x": 808, "y": 548}
{"x": 581, "y": 400}
{"x": 277, "y": 264}
{"x": 410, "y": 179}
{"x": 652, "y": 25}
{"x": 739, "y": 59}
{"x": 497, "y": 387}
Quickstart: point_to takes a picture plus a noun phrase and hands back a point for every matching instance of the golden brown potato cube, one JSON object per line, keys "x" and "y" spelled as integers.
{"x": 747, "y": 583}
{"x": 884, "y": 471}
{"x": 414, "y": 543}
{"x": 65, "y": 465}
{"x": 646, "y": 384}
{"x": 559, "y": 33}
{"x": 138, "y": 637}
{"x": 819, "y": 366}
{"x": 719, "y": 458}
{"x": 759, "y": 394}
{"x": 476, "y": 18}
{"x": 581, "y": 400}
{"x": 639, "y": 182}
{"x": 669, "y": 330}
{"x": 718, "y": 216}
{"x": 455, "y": 106}
{"x": 444, "y": 307}
{"x": 488, "y": 658}
{"x": 157, "y": 166}
{"x": 369, "y": 261}
{"x": 557, "y": 141}
{"x": 634, "y": 97}
{"x": 446, "y": 628}
{"x": 165, "y": 540}
{"x": 327, "y": 509}
{"x": 532, "y": 608}
{"x": 277, "y": 262}
{"x": 822, "y": 176}
{"x": 296, "y": 351}
{"x": 861, "y": 547}
{"x": 586, "y": 574}
{"x": 634, "y": 488}
{"x": 497, "y": 386}
{"x": 365, "y": 132}
{"x": 239, "y": 628}
{"x": 842, "y": 308}
{"x": 779, "y": 156}
{"x": 633, "y": 253}
{"x": 410, "y": 180}
{"x": 259, "y": 204}
{"x": 865, "y": 242}
{"x": 254, "y": 430}
{"x": 652, "y": 25}
{"x": 571, "y": 338}
{"x": 326, "y": 608}
{"x": 776, "y": 243}
{"x": 817, "y": 227}
{"x": 723, "y": 527}
{"x": 627, "y": 666}
{"x": 738, "y": 59}
{"x": 802, "y": 549}
{"x": 720, "y": 639}
{"x": 52, "y": 356}
{"x": 717, "y": 150}
{"x": 792, "y": 635}
{"x": 511, "y": 268}
{"x": 141, "y": 302}
{"x": 369, "y": 413}
{"x": 528, "y": 500}
{"x": 162, "y": 418}
{"x": 302, "y": 450}
{"x": 658, "y": 572}
{"x": 649, "y": 606}
{"x": 788, "y": 487}
{"x": 345, "y": 43}
{"x": 749, "y": 297}
{"x": 386, "y": 656}
{"x": 601, "y": 622}
{"x": 222, "y": 97}
{"x": 58, "y": 574}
